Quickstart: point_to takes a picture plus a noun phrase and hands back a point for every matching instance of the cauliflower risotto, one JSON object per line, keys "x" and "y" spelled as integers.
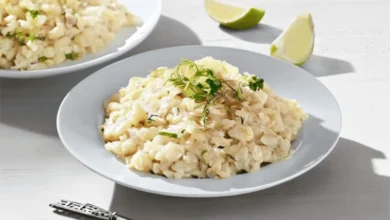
{"x": 201, "y": 119}
{"x": 36, "y": 34}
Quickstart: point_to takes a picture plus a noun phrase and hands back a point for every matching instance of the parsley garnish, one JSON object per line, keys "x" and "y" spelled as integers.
{"x": 33, "y": 13}
{"x": 168, "y": 134}
{"x": 201, "y": 87}
{"x": 72, "y": 56}
{"x": 42, "y": 59}
{"x": 9, "y": 35}
{"x": 204, "y": 87}
{"x": 253, "y": 82}
{"x": 31, "y": 37}
{"x": 20, "y": 38}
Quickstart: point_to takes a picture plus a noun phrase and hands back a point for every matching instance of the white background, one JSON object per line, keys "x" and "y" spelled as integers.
{"x": 351, "y": 57}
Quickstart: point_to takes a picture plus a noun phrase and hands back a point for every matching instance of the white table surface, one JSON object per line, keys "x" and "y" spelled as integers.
{"x": 351, "y": 57}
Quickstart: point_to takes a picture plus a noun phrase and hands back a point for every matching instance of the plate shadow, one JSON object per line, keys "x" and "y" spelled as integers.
{"x": 346, "y": 176}
{"x": 326, "y": 66}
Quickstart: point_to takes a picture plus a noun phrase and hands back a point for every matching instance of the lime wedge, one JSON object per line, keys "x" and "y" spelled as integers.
{"x": 295, "y": 45}
{"x": 233, "y": 16}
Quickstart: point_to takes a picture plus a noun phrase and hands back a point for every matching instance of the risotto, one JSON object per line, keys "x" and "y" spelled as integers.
{"x": 36, "y": 34}
{"x": 200, "y": 119}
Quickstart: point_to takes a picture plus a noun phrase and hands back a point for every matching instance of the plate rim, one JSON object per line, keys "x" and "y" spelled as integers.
{"x": 30, "y": 74}
{"x": 209, "y": 194}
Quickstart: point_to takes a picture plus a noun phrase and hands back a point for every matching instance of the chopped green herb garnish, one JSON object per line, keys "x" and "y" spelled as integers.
{"x": 205, "y": 114}
{"x": 253, "y": 82}
{"x": 33, "y": 13}
{"x": 20, "y": 38}
{"x": 204, "y": 87}
{"x": 191, "y": 64}
{"x": 10, "y": 35}
{"x": 72, "y": 56}
{"x": 203, "y": 153}
{"x": 42, "y": 59}
{"x": 214, "y": 84}
{"x": 201, "y": 87}
{"x": 31, "y": 37}
{"x": 150, "y": 120}
{"x": 168, "y": 134}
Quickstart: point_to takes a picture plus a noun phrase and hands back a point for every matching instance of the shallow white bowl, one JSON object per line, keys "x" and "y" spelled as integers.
{"x": 148, "y": 10}
{"x": 82, "y": 111}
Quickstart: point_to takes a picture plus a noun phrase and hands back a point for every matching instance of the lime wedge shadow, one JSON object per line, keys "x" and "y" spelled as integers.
{"x": 321, "y": 66}
{"x": 261, "y": 33}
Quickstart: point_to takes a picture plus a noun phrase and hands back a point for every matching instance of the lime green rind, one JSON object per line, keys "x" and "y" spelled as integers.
{"x": 253, "y": 15}
{"x": 299, "y": 64}
{"x": 273, "y": 50}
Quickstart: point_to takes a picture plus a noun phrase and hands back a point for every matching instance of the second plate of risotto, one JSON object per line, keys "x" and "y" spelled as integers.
{"x": 200, "y": 122}
{"x": 49, "y": 37}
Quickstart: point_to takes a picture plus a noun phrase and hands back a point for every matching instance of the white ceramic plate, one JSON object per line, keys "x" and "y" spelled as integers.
{"x": 82, "y": 111}
{"x": 148, "y": 10}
